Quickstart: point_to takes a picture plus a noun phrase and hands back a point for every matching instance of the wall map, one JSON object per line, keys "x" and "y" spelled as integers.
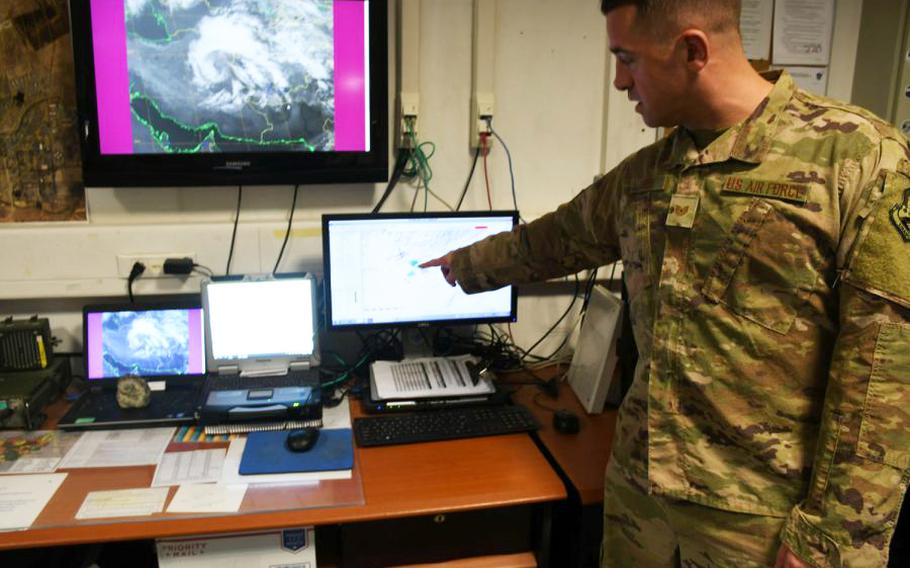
{"x": 40, "y": 169}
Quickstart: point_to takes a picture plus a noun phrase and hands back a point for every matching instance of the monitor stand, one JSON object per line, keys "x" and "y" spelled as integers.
{"x": 415, "y": 343}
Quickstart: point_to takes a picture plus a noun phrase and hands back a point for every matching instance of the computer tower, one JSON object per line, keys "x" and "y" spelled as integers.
{"x": 593, "y": 374}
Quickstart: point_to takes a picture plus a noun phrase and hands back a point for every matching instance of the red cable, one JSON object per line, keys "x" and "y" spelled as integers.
{"x": 486, "y": 175}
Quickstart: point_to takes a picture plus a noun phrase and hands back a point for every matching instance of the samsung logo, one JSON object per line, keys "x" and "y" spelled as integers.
{"x": 238, "y": 165}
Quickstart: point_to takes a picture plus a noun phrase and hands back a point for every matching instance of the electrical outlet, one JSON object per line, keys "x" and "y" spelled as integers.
{"x": 154, "y": 263}
{"x": 482, "y": 107}
{"x": 409, "y": 111}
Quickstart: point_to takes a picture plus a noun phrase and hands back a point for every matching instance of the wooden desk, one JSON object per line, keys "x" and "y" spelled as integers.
{"x": 582, "y": 456}
{"x": 581, "y": 460}
{"x": 398, "y": 482}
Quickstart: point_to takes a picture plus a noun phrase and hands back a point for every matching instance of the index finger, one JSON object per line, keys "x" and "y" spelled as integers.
{"x": 435, "y": 262}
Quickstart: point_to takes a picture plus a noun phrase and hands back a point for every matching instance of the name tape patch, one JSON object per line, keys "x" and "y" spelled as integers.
{"x": 797, "y": 192}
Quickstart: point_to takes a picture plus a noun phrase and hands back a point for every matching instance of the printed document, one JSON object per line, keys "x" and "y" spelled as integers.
{"x": 207, "y": 498}
{"x": 118, "y": 448}
{"x": 431, "y": 377}
{"x": 23, "y": 497}
{"x": 181, "y": 468}
{"x": 123, "y": 503}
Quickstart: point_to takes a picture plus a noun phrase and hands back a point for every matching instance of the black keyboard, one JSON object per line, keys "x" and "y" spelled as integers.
{"x": 290, "y": 379}
{"x": 448, "y": 424}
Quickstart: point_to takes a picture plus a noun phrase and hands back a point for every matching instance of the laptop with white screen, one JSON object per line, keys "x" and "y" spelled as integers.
{"x": 160, "y": 342}
{"x": 262, "y": 350}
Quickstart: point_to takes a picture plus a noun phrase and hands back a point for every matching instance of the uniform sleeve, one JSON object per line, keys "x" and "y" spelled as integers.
{"x": 579, "y": 234}
{"x": 862, "y": 457}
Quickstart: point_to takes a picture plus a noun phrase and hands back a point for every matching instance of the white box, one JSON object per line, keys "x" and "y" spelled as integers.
{"x": 287, "y": 548}
{"x": 594, "y": 363}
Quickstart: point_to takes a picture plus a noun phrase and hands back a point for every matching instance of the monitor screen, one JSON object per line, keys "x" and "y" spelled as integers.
{"x": 146, "y": 342}
{"x": 260, "y": 318}
{"x": 200, "y": 92}
{"x": 372, "y": 275}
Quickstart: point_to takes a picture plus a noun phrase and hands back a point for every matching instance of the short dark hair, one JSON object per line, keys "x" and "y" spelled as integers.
{"x": 719, "y": 15}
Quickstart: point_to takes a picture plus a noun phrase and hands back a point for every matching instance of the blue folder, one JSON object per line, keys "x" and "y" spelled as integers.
{"x": 265, "y": 452}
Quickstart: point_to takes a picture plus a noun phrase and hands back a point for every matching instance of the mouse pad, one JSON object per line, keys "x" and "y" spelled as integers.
{"x": 265, "y": 452}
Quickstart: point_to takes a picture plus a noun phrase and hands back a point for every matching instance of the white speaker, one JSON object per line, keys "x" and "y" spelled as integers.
{"x": 592, "y": 374}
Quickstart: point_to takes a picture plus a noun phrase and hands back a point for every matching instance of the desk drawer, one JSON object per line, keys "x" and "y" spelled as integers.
{"x": 437, "y": 538}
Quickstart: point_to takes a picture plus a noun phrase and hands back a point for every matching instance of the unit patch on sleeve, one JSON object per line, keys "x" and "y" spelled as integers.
{"x": 900, "y": 217}
{"x": 798, "y": 192}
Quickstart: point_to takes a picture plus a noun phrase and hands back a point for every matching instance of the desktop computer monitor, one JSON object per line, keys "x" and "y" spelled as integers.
{"x": 372, "y": 277}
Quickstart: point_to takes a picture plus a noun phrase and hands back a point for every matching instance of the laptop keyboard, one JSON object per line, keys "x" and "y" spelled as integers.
{"x": 237, "y": 382}
{"x": 165, "y": 403}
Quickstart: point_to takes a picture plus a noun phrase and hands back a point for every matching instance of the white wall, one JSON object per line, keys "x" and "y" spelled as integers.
{"x": 554, "y": 107}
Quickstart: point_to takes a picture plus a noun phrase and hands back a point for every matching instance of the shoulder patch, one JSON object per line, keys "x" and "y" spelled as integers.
{"x": 881, "y": 261}
{"x": 900, "y": 216}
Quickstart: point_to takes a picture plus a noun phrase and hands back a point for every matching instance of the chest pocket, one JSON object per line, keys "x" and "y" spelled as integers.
{"x": 762, "y": 272}
{"x": 641, "y": 236}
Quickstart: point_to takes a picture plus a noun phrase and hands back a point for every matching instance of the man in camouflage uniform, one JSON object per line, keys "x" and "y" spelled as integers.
{"x": 766, "y": 248}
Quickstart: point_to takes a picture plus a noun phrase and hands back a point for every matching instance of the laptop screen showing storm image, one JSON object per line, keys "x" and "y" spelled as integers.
{"x": 147, "y": 343}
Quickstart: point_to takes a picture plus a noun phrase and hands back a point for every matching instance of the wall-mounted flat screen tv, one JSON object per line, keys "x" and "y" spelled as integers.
{"x": 223, "y": 92}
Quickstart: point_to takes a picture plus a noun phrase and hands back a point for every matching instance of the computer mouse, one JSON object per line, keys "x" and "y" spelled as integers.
{"x": 302, "y": 440}
{"x": 566, "y": 422}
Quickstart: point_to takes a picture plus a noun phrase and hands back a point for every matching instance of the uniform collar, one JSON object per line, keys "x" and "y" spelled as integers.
{"x": 748, "y": 141}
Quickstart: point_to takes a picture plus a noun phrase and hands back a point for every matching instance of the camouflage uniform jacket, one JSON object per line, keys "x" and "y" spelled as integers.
{"x": 769, "y": 284}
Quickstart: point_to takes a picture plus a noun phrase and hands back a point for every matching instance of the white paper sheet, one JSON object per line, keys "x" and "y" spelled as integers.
{"x": 207, "y": 498}
{"x": 755, "y": 23}
{"x": 33, "y": 465}
{"x": 123, "y": 503}
{"x": 427, "y": 377}
{"x": 812, "y": 79}
{"x": 231, "y": 474}
{"x": 802, "y": 31}
{"x": 337, "y": 416}
{"x": 181, "y": 468}
{"x": 116, "y": 448}
{"x": 23, "y": 497}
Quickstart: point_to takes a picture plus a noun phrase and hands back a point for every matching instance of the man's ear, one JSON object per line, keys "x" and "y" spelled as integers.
{"x": 697, "y": 48}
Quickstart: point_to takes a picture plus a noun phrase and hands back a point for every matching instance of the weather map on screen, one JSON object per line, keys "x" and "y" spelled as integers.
{"x": 232, "y": 76}
{"x": 146, "y": 343}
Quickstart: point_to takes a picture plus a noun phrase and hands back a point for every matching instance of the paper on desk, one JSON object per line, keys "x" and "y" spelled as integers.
{"x": 123, "y": 503}
{"x": 231, "y": 474}
{"x": 22, "y": 498}
{"x": 337, "y": 416}
{"x": 198, "y": 466}
{"x": 207, "y": 498}
{"x": 115, "y": 448}
{"x": 34, "y": 452}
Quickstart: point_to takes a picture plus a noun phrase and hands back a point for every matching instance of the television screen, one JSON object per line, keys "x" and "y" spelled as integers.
{"x": 372, "y": 276}
{"x": 209, "y": 92}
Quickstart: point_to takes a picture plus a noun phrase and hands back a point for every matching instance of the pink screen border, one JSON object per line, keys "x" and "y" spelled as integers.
{"x": 112, "y": 83}
{"x": 94, "y": 343}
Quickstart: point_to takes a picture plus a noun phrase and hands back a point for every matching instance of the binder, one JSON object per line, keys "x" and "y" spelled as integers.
{"x": 265, "y": 452}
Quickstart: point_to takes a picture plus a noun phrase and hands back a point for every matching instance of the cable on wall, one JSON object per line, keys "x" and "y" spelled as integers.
{"x": 509, "y": 158}
{"x": 486, "y": 174}
{"x": 227, "y": 268}
{"x": 287, "y": 232}
{"x": 135, "y": 272}
{"x": 467, "y": 182}
{"x": 400, "y": 164}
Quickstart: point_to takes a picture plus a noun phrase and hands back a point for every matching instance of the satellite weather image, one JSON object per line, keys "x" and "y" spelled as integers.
{"x": 231, "y": 75}
{"x": 146, "y": 343}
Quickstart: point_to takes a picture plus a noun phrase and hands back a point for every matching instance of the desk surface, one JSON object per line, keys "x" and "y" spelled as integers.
{"x": 582, "y": 456}
{"x": 397, "y": 481}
